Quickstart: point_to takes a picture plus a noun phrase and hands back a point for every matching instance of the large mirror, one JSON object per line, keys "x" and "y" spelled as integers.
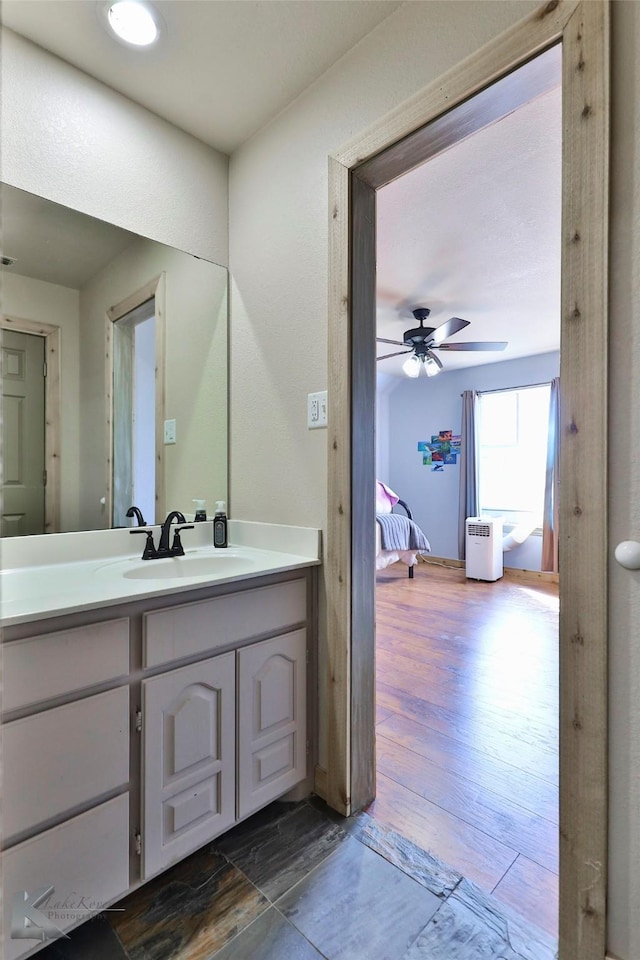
{"x": 114, "y": 373}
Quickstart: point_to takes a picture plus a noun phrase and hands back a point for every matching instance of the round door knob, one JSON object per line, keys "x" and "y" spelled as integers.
{"x": 627, "y": 554}
{"x": 103, "y": 501}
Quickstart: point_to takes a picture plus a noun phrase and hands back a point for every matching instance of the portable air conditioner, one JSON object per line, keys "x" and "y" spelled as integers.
{"x": 483, "y": 548}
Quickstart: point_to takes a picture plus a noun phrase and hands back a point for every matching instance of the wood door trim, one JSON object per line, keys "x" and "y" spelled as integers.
{"x": 583, "y": 27}
{"x": 155, "y": 288}
{"x": 52, "y": 429}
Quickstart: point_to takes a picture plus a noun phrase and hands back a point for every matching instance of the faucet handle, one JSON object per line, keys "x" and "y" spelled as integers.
{"x": 149, "y": 552}
{"x": 177, "y": 550}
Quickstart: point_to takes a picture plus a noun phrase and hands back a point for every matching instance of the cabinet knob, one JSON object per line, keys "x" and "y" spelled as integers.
{"x": 627, "y": 554}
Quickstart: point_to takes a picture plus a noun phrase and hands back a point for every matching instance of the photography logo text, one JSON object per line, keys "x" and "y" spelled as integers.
{"x": 37, "y": 915}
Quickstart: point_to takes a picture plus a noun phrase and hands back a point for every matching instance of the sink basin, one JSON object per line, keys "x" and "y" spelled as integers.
{"x": 173, "y": 568}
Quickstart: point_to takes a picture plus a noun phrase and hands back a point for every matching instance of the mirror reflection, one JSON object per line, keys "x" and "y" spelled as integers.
{"x": 114, "y": 373}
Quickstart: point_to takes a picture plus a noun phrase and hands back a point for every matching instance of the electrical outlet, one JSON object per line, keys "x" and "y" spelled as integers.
{"x": 317, "y": 410}
{"x": 169, "y": 431}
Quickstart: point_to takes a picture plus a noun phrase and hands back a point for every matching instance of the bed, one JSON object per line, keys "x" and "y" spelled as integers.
{"x": 398, "y": 537}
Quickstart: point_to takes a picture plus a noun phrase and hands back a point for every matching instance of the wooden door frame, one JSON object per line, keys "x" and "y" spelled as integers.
{"x": 153, "y": 289}
{"x": 52, "y": 403}
{"x": 348, "y": 781}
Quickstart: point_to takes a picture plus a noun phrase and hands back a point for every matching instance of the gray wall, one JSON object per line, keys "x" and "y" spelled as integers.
{"x": 419, "y": 408}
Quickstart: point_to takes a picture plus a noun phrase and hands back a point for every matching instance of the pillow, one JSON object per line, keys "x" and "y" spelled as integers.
{"x": 385, "y": 498}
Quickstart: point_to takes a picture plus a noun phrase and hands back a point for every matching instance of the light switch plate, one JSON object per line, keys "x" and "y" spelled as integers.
{"x": 169, "y": 431}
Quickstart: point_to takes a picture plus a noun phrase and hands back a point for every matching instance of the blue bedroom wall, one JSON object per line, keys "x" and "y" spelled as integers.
{"x": 416, "y": 409}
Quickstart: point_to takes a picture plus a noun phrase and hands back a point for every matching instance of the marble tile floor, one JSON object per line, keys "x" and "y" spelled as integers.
{"x": 297, "y": 882}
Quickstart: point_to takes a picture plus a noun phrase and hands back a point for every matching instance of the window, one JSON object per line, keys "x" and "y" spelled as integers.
{"x": 512, "y": 447}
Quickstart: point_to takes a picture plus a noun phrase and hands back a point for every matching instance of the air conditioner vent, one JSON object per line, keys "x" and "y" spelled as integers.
{"x": 479, "y": 530}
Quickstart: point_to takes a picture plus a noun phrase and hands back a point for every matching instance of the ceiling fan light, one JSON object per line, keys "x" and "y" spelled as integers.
{"x": 431, "y": 367}
{"x": 411, "y": 366}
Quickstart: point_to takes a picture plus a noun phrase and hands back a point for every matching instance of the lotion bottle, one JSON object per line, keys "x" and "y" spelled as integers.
{"x": 201, "y": 513}
{"x": 220, "y": 525}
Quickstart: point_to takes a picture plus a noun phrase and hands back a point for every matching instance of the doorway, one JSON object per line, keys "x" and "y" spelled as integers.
{"x": 134, "y": 414}
{"x": 354, "y": 175}
{"x": 31, "y": 415}
{"x": 466, "y": 658}
{"x": 23, "y": 420}
{"x": 135, "y": 397}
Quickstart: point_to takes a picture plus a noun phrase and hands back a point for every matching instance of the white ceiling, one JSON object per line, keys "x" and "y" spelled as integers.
{"x": 53, "y": 243}
{"x": 222, "y": 69}
{"x": 475, "y": 233}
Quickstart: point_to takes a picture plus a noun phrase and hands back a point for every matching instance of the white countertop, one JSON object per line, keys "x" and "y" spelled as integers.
{"x": 31, "y": 592}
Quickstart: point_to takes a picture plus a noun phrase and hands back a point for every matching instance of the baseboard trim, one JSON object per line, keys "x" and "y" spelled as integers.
{"x": 532, "y": 576}
{"x": 510, "y": 573}
{"x": 443, "y": 561}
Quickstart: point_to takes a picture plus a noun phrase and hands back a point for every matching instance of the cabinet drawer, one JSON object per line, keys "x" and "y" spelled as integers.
{"x": 210, "y": 624}
{"x": 60, "y": 758}
{"x": 85, "y": 861}
{"x": 53, "y": 664}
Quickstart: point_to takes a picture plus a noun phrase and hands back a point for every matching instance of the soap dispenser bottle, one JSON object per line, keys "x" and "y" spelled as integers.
{"x": 220, "y": 525}
{"x": 201, "y": 513}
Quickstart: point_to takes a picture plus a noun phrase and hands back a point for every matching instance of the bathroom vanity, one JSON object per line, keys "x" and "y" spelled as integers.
{"x": 138, "y": 729}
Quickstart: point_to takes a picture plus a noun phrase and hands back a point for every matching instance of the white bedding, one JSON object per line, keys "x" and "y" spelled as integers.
{"x": 385, "y": 558}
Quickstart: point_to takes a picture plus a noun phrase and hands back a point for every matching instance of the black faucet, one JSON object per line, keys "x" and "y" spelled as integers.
{"x": 163, "y": 546}
{"x": 164, "y": 550}
{"x": 137, "y": 513}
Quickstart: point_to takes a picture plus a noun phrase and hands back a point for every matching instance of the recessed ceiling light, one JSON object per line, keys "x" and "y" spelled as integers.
{"x": 133, "y": 22}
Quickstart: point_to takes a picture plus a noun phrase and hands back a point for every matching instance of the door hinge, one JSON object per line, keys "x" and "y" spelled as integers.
{"x": 137, "y": 840}
{"x": 44, "y": 478}
{"x": 308, "y": 748}
{"x": 44, "y": 369}
{"x": 138, "y": 720}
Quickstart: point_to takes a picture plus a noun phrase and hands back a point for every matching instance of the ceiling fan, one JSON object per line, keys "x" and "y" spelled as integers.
{"x": 422, "y": 341}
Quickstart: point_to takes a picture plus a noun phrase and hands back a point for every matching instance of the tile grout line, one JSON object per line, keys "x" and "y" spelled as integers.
{"x": 272, "y": 903}
{"x": 261, "y": 914}
{"x": 313, "y": 870}
{"x": 304, "y": 937}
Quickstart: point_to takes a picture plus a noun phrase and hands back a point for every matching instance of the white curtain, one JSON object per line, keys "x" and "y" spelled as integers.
{"x": 551, "y": 487}
{"x": 468, "y": 497}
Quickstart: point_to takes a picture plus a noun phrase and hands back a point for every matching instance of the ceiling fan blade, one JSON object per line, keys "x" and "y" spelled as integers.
{"x": 447, "y": 329}
{"x": 398, "y": 354}
{"x": 486, "y": 345}
{"x": 396, "y": 343}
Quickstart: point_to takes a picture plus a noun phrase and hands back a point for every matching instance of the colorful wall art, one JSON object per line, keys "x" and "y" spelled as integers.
{"x": 442, "y": 450}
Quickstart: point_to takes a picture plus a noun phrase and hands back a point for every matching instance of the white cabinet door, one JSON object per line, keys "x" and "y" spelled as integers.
{"x": 272, "y": 738}
{"x": 188, "y": 759}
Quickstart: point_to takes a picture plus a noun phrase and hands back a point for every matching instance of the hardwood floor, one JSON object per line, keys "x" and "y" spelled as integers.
{"x": 467, "y": 728}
